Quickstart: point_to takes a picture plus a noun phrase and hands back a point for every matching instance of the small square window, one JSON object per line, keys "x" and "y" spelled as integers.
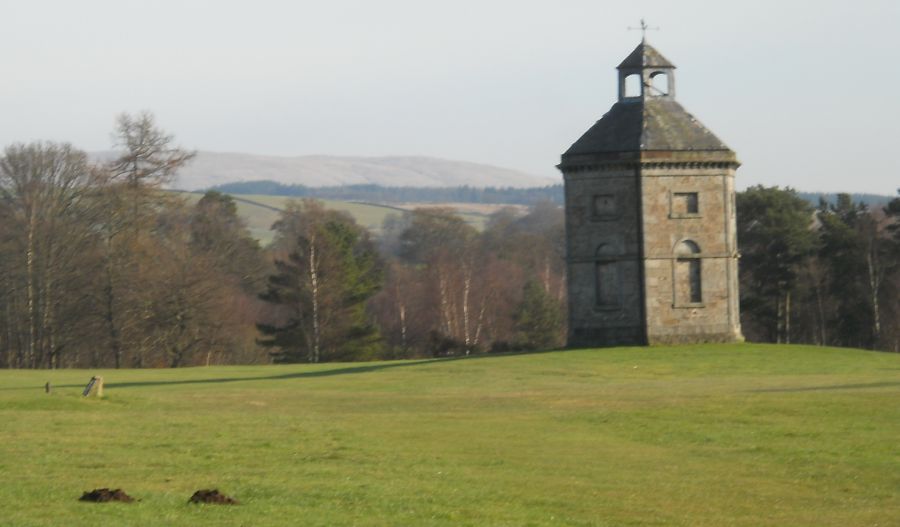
{"x": 685, "y": 204}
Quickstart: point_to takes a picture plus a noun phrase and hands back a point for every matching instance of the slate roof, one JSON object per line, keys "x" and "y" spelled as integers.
{"x": 645, "y": 56}
{"x": 647, "y": 124}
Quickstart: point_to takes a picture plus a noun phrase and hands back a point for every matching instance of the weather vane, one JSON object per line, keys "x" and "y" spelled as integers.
{"x": 644, "y": 27}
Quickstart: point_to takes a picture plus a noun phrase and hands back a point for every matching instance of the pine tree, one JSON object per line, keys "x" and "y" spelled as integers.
{"x": 538, "y": 318}
{"x": 775, "y": 242}
{"x": 321, "y": 290}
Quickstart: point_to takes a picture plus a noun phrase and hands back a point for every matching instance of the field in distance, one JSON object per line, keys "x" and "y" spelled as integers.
{"x": 260, "y": 211}
{"x": 737, "y": 435}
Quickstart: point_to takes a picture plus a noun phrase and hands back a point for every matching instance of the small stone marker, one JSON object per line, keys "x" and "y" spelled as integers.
{"x": 95, "y": 381}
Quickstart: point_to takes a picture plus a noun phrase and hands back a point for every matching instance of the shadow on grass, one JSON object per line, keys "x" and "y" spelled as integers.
{"x": 346, "y": 370}
{"x": 829, "y": 388}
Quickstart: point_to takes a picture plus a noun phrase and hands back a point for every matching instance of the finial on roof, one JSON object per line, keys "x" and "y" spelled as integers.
{"x": 644, "y": 27}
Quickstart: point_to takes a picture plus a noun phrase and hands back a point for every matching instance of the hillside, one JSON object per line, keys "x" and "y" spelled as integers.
{"x": 209, "y": 169}
{"x": 260, "y": 212}
{"x": 739, "y": 435}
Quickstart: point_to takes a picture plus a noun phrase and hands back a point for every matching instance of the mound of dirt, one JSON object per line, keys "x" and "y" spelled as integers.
{"x": 104, "y": 495}
{"x": 212, "y": 496}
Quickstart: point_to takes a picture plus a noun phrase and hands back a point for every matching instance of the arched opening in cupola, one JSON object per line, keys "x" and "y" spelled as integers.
{"x": 633, "y": 85}
{"x": 659, "y": 84}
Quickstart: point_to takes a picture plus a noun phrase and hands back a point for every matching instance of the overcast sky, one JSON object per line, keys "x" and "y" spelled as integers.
{"x": 807, "y": 92}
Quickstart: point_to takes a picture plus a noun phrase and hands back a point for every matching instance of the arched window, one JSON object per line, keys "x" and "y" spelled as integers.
{"x": 633, "y": 85}
{"x": 606, "y": 276}
{"x": 688, "y": 274}
{"x": 659, "y": 83}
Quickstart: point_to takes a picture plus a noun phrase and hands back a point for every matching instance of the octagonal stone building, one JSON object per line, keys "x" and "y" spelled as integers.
{"x": 650, "y": 220}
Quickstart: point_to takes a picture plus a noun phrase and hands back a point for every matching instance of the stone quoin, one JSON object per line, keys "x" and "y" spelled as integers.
{"x": 650, "y": 220}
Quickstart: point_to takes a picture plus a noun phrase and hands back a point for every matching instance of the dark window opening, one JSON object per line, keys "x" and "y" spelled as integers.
{"x": 685, "y": 203}
{"x": 694, "y": 273}
{"x": 688, "y": 274}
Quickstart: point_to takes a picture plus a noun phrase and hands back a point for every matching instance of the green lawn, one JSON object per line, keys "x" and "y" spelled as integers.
{"x": 740, "y": 435}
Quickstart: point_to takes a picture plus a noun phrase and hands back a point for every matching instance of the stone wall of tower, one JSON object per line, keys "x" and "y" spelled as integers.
{"x": 662, "y": 266}
{"x": 672, "y": 316}
{"x": 603, "y": 229}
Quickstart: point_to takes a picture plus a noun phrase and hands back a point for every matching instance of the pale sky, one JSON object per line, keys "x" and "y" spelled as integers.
{"x": 807, "y": 92}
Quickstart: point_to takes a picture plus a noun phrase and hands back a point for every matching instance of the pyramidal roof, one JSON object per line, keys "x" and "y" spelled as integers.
{"x": 645, "y": 56}
{"x": 648, "y": 124}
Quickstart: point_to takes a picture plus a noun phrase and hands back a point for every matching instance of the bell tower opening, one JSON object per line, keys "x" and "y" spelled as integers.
{"x": 645, "y": 74}
{"x": 659, "y": 84}
{"x": 632, "y": 86}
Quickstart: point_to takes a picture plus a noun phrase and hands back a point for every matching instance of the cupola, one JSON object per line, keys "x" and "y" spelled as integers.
{"x": 645, "y": 74}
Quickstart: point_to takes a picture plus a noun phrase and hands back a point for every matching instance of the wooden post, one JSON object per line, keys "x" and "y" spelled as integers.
{"x": 48, "y": 388}
{"x": 99, "y": 386}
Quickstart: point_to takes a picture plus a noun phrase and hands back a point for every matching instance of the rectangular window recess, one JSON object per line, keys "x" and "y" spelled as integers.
{"x": 607, "y": 285}
{"x": 604, "y": 207}
{"x": 685, "y": 205}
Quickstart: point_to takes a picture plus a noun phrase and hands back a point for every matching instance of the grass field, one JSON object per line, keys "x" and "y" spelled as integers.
{"x": 737, "y": 435}
{"x": 260, "y": 212}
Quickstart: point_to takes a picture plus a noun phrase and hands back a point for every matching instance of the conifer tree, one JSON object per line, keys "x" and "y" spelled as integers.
{"x": 776, "y": 240}
{"x": 538, "y": 318}
{"x": 321, "y": 289}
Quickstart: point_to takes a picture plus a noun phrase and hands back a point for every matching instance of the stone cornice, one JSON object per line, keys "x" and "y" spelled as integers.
{"x": 649, "y": 160}
{"x": 689, "y": 165}
{"x": 647, "y": 165}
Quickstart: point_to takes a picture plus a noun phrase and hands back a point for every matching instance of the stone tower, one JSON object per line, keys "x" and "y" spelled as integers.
{"x": 650, "y": 220}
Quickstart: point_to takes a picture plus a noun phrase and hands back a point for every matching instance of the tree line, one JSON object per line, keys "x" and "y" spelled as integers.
{"x": 99, "y": 267}
{"x": 826, "y": 275}
{"x": 431, "y": 285}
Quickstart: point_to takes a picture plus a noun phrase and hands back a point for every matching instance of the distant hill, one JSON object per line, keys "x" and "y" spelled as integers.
{"x": 210, "y": 169}
{"x": 382, "y": 194}
{"x": 260, "y": 211}
{"x": 871, "y": 200}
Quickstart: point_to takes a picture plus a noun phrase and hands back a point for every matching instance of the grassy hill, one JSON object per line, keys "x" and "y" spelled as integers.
{"x": 738, "y": 435}
{"x": 209, "y": 169}
{"x": 260, "y": 212}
